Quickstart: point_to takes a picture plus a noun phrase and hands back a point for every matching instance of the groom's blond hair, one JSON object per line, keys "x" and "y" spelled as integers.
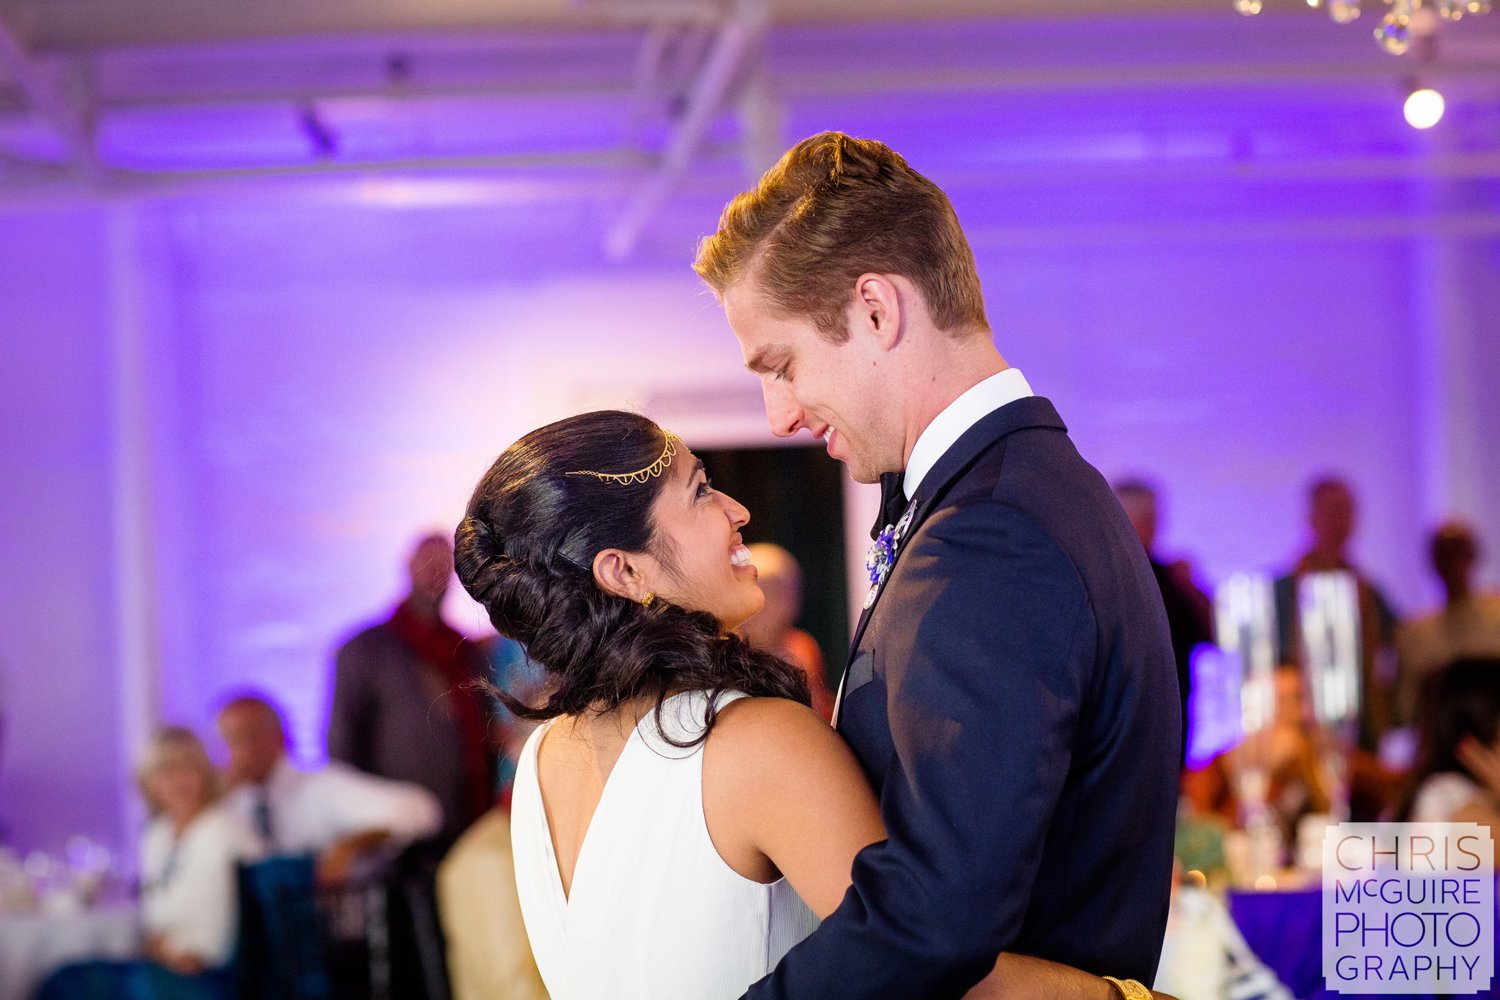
{"x": 833, "y": 208}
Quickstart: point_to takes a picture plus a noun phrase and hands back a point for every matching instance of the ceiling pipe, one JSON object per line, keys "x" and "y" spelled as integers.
{"x": 736, "y": 45}
{"x": 50, "y": 102}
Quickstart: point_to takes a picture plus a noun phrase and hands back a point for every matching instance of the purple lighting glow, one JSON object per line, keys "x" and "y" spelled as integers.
{"x": 1229, "y": 283}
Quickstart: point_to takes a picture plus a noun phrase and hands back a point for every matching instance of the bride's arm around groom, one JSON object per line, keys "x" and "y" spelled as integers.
{"x": 779, "y": 784}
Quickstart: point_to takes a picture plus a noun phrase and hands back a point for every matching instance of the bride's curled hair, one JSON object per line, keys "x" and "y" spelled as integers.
{"x": 525, "y": 550}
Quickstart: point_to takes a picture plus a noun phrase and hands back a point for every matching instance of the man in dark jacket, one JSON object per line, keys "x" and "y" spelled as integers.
{"x": 1011, "y": 690}
{"x": 404, "y": 704}
{"x": 1190, "y": 613}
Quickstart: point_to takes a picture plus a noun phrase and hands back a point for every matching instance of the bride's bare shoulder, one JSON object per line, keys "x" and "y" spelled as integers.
{"x": 758, "y": 741}
{"x": 758, "y": 725}
{"x": 783, "y": 794}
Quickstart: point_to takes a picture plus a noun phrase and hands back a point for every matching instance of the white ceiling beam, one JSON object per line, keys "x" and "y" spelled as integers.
{"x": 650, "y": 67}
{"x": 704, "y": 12}
{"x": 837, "y": 82}
{"x": 50, "y": 102}
{"x": 737, "y": 43}
{"x": 606, "y": 160}
{"x": 22, "y": 181}
{"x": 1176, "y": 171}
{"x": 795, "y": 83}
{"x": 763, "y": 124}
{"x": 1377, "y": 226}
{"x": 292, "y": 92}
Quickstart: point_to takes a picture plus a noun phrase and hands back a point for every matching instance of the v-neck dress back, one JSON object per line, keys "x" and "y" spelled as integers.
{"x": 654, "y": 913}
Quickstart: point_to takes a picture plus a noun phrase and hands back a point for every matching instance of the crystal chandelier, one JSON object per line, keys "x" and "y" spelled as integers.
{"x": 1401, "y": 23}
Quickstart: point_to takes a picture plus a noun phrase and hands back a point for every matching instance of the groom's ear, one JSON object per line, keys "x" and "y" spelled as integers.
{"x": 877, "y": 309}
{"x": 616, "y": 573}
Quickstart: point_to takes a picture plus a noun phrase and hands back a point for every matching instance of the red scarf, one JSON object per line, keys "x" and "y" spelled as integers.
{"x": 447, "y": 652}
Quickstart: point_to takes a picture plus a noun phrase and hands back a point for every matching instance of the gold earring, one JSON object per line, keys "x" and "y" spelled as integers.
{"x": 650, "y": 596}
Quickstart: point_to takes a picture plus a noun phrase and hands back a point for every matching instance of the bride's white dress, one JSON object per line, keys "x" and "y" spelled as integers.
{"x": 654, "y": 913}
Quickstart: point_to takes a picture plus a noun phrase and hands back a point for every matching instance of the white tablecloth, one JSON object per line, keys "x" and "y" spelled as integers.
{"x": 33, "y": 944}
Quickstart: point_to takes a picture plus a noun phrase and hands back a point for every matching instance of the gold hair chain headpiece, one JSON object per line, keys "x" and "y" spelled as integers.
{"x": 646, "y": 474}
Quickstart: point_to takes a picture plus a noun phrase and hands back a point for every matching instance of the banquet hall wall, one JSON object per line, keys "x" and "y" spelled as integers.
{"x": 226, "y": 416}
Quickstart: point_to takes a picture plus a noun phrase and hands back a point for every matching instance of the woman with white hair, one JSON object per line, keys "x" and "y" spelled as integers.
{"x": 189, "y": 901}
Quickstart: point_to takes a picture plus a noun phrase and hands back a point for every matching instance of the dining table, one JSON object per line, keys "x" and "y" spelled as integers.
{"x": 1284, "y": 927}
{"x": 35, "y": 943}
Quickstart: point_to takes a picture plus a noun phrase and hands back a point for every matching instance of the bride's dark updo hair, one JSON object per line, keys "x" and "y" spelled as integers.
{"x": 525, "y": 550}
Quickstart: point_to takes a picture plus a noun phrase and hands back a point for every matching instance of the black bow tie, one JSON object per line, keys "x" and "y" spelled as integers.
{"x": 892, "y": 501}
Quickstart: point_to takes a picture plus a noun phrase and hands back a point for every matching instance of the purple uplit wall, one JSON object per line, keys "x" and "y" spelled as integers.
{"x": 346, "y": 375}
{"x": 1232, "y": 373}
{"x": 289, "y": 383}
{"x": 59, "y": 692}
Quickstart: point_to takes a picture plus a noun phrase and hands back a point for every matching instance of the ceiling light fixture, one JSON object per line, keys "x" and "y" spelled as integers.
{"x": 1402, "y": 21}
{"x": 1424, "y": 107}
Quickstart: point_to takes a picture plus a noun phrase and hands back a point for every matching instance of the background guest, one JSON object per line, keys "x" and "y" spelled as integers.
{"x": 188, "y": 856}
{"x": 1288, "y": 754}
{"x": 775, "y": 627}
{"x": 406, "y": 699}
{"x": 513, "y": 672}
{"x": 334, "y": 812}
{"x": 1204, "y": 955}
{"x": 188, "y": 893}
{"x": 3, "y": 703}
{"x": 1331, "y": 520}
{"x": 489, "y": 955}
{"x": 1457, "y": 778}
{"x": 1466, "y": 626}
{"x": 1190, "y": 613}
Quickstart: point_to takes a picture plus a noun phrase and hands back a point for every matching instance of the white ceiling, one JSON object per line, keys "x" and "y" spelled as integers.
{"x": 53, "y": 25}
{"x": 639, "y": 102}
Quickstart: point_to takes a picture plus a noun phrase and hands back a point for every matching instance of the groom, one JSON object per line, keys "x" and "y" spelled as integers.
{"x": 1011, "y": 691}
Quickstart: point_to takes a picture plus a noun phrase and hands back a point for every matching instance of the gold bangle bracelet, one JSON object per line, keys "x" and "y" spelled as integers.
{"x": 1129, "y": 988}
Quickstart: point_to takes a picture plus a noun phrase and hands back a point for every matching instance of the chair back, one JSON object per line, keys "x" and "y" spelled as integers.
{"x": 283, "y": 951}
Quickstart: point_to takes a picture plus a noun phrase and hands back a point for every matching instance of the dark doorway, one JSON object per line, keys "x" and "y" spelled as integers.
{"x": 795, "y": 496}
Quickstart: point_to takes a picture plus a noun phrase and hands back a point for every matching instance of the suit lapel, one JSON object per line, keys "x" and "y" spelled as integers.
{"x": 1032, "y": 411}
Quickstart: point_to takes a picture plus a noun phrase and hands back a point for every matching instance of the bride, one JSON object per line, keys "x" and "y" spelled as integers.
{"x": 682, "y": 818}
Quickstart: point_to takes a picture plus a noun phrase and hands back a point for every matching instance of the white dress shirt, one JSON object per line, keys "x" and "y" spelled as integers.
{"x": 1443, "y": 796}
{"x": 957, "y": 417}
{"x": 188, "y": 893}
{"x": 309, "y": 810}
{"x": 1425, "y": 645}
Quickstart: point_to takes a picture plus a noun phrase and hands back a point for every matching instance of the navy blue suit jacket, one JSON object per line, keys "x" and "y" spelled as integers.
{"x": 1013, "y": 698}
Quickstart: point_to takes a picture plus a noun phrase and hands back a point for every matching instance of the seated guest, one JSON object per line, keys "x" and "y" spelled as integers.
{"x": 407, "y": 702}
{"x": 334, "y": 812}
{"x": 1287, "y": 751}
{"x": 1457, "y": 778}
{"x": 774, "y": 627}
{"x": 188, "y": 893}
{"x": 1467, "y": 625}
{"x": 488, "y": 951}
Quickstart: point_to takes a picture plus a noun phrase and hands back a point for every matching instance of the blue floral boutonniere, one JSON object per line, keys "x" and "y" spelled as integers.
{"x": 878, "y": 561}
{"x": 882, "y": 554}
